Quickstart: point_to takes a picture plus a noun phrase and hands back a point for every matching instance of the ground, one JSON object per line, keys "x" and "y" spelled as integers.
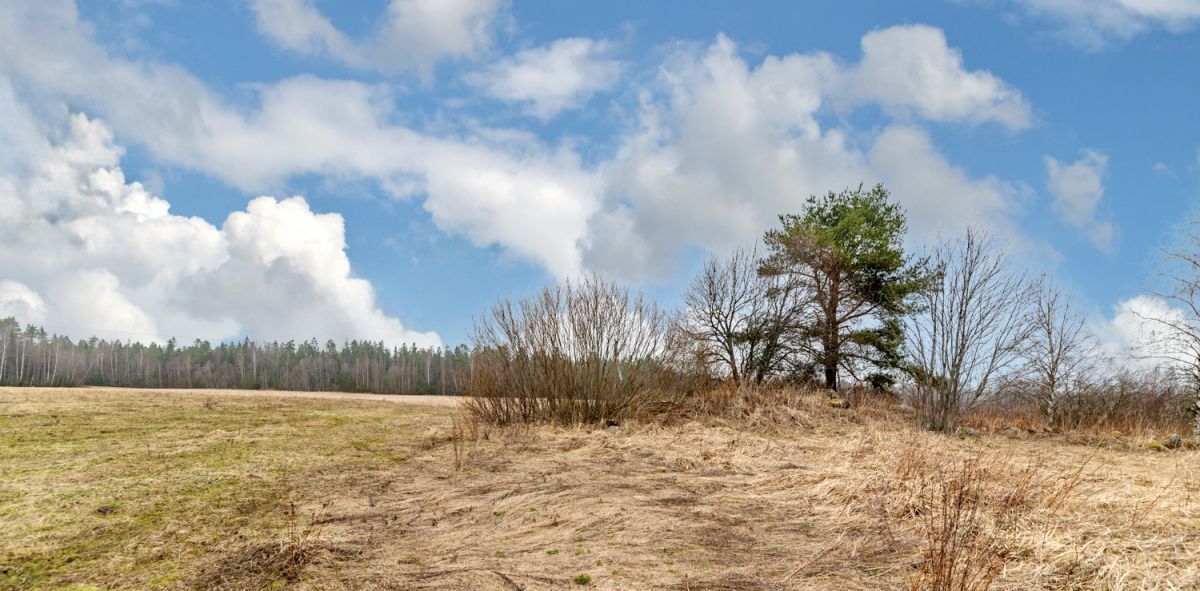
{"x": 128, "y": 489}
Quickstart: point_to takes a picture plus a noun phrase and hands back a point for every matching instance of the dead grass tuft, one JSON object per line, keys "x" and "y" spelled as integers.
{"x": 273, "y": 565}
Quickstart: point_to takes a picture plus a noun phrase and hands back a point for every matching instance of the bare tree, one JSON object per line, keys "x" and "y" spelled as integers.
{"x": 739, "y": 320}
{"x": 970, "y": 333}
{"x": 1060, "y": 351}
{"x": 1177, "y": 336}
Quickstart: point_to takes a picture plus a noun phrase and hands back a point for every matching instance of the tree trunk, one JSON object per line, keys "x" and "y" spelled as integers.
{"x": 831, "y": 377}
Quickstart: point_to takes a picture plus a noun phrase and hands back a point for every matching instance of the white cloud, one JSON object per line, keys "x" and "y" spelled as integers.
{"x": 282, "y": 252}
{"x": 533, "y": 202}
{"x": 1077, "y": 189}
{"x": 85, "y": 251}
{"x": 731, "y": 147}
{"x": 720, "y": 148}
{"x": 310, "y": 125}
{"x": 1096, "y": 24}
{"x": 553, "y": 78}
{"x": 297, "y": 25}
{"x": 1140, "y": 329}
{"x": 412, "y": 34}
{"x": 912, "y": 69}
{"x": 18, "y": 301}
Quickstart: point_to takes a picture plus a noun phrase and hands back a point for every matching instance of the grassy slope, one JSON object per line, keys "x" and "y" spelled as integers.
{"x": 135, "y": 490}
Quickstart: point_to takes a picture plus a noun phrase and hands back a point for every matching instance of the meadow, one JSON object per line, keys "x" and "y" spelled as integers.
{"x": 141, "y": 489}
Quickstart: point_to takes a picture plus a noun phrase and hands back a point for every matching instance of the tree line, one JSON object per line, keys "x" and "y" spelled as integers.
{"x": 30, "y": 356}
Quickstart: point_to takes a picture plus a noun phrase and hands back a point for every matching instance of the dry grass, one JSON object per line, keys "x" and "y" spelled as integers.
{"x": 767, "y": 494}
{"x": 1130, "y": 432}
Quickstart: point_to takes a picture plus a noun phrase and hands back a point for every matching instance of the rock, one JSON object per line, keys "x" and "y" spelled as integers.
{"x": 612, "y": 427}
{"x": 1172, "y": 442}
{"x": 838, "y": 403}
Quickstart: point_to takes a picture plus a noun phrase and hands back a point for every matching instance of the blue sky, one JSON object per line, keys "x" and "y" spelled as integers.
{"x": 446, "y": 153}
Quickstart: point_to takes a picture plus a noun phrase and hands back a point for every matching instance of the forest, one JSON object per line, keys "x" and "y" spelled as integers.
{"x": 32, "y": 357}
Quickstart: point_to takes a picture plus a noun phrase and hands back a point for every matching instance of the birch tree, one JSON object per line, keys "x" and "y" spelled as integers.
{"x": 971, "y": 332}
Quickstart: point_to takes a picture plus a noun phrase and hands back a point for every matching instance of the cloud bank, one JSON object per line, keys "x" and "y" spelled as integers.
{"x": 87, "y": 252}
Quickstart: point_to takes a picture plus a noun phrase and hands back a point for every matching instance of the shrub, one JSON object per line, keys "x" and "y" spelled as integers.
{"x": 580, "y": 352}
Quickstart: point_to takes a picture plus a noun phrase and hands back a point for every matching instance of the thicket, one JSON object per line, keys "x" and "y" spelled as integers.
{"x": 585, "y": 351}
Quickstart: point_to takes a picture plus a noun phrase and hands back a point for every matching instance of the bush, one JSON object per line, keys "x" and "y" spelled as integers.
{"x": 1132, "y": 400}
{"x": 581, "y": 352}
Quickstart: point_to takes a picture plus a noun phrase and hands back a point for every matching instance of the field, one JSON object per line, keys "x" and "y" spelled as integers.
{"x": 128, "y": 489}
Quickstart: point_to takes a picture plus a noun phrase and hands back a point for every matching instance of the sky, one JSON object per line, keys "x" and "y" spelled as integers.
{"x": 386, "y": 169}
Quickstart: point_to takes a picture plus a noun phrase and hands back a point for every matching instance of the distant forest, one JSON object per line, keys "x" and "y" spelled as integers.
{"x": 32, "y": 357}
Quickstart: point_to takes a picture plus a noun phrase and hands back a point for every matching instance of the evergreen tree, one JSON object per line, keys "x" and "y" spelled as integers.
{"x": 845, "y": 252}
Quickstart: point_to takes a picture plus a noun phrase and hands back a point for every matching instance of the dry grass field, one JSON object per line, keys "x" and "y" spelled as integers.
{"x": 126, "y": 489}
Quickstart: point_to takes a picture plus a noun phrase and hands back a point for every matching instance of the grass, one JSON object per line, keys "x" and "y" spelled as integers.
{"x": 137, "y": 490}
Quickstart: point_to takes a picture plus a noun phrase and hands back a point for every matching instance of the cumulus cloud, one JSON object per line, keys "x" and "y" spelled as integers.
{"x": 1141, "y": 328}
{"x": 85, "y": 251}
{"x": 912, "y": 69}
{"x": 719, "y": 148}
{"x": 412, "y": 34}
{"x": 310, "y": 125}
{"x": 1077, "y": 190}
{"x": 553, "y": 78}
{"x": 17, "y": 300}
{"x": 1097, "y": 24}
{"x": 732, "y": 146}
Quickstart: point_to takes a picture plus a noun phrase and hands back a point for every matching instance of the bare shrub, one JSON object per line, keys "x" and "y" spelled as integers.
{"x": 303, "y": 538}
{"x": 466, "y": 431}
{"x": 262, "y": 566}
{"x": 960, "y": 553}
{"x": 580, "y": 352}
{"x": 1131, "y": 404}
{"x": 970, "y": 333}
{"x": 972, "y": 513}
{"x": 1131, "y": 401}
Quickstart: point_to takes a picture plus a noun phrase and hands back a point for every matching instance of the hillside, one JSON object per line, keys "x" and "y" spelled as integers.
{"x": 190, "y": 490}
